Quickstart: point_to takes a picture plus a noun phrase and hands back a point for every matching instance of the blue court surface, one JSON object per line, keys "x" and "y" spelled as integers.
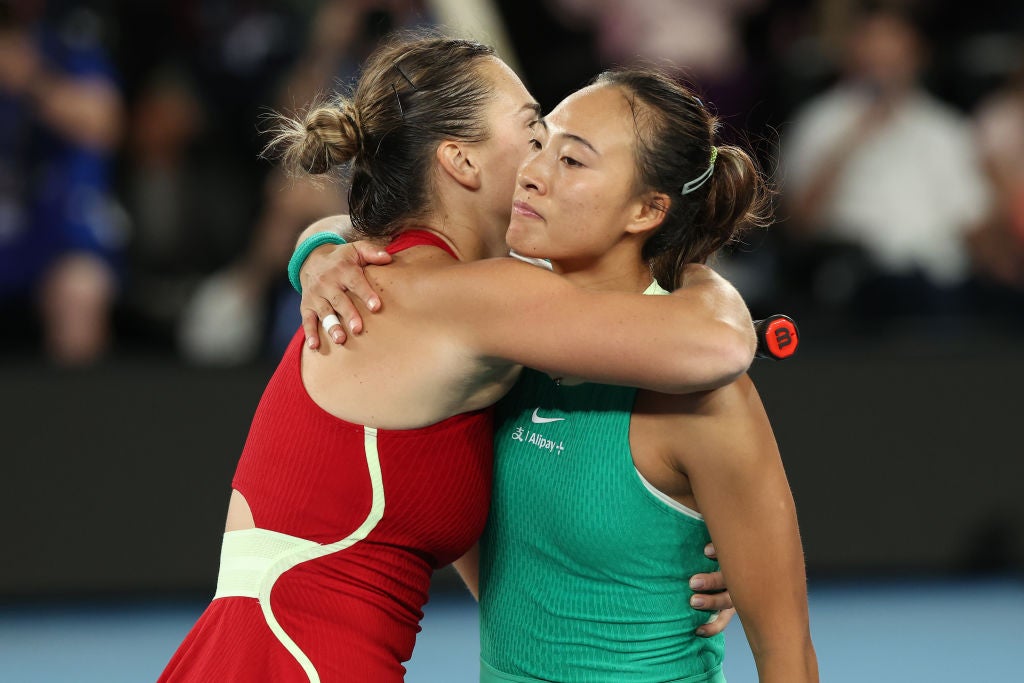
{"x": 870, "y": 631}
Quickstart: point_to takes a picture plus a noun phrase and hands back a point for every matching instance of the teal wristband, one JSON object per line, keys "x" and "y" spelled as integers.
{"x": 302, "y": 253}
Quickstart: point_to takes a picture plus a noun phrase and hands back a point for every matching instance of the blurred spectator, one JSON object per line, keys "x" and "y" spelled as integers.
{"x": 883, "y": 185}
{"x": 706, "y": 45}
{"x": 999, "y": 247}
{"x": 695, "y": 35}
{"x": 555, "y": 54}
{"x": 701, "y": 38}
{"x": 60, "y": 118}
{"x": 197, "y": 75}
{"x": 182, "y": 201}
{"x": 242, "y": 308}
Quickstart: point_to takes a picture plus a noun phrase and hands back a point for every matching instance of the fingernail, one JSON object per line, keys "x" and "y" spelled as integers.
{"x": 709, "y": 549}
{"x": 696, "y": 601}
{"x": 696, "y": 583}
{"x": 374, "y": 304}
{"x": 382, "y": 253}
{"x": 702, "y": 631}
{"x": 310, "y": 341}
{"x": 337, "y": 337}
{"x": 352, "y": 326}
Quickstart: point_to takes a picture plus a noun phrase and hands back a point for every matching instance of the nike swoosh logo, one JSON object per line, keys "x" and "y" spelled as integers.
{"x": 537, "y": 419}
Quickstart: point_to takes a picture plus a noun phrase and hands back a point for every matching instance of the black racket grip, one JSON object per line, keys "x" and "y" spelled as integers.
{"x": 777, "y": 337}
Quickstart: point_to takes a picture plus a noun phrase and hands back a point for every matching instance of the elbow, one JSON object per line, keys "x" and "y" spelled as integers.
{"x": 724, "y": 357}
{"x": 730, "y": 341}
{"x": 731, "y": 355}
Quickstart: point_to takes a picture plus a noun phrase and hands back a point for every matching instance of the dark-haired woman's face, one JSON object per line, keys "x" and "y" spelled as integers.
{"x": 575, "y": 191}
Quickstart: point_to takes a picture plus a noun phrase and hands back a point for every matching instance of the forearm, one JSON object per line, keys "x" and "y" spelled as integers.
{"x": 468, "y": 567}
{"x": 789, "y": 664}
{"x": 763, "y": 567}
{"x": 671, "y": 344}
{"x": 715, "y": 327}
{"x": 340, "y": 224}
{"x": 749, "y": 509}
{"x": 768, "y": 586}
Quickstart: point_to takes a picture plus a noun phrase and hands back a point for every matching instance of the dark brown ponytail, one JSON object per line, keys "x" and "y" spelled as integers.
{"x": 675, "y": 141}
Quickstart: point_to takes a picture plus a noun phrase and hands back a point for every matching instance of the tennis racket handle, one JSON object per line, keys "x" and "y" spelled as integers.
{"x": 777, "y": 337}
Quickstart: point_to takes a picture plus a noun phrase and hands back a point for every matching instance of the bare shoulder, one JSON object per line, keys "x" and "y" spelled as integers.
{"x": 725, "y": 427}
{"x": 732, "y": 399}
{"x": 736, "y": 398}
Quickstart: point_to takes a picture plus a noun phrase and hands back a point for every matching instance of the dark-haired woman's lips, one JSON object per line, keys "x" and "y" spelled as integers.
{"x": 523, "y": 209}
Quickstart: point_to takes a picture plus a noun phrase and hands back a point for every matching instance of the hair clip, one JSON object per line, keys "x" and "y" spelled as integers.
{"x": 399, "y": 100}
{"x": 355, "y": 129}
{"x": 703, "y": 177}
{"x": 406, "y": 77}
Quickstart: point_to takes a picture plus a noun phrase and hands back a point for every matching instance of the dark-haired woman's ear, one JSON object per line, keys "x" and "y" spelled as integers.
{"x": 455, "y": 162}
{"x": 651, "y": 208}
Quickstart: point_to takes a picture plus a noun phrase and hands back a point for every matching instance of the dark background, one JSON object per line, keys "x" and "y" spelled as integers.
{"x": 904, "y": 460}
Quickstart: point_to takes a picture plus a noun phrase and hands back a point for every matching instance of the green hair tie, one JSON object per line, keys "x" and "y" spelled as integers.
{"x": 703, "y": 177}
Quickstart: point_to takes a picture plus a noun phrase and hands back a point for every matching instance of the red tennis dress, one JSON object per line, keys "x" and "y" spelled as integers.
{"x": 351, "y": 522}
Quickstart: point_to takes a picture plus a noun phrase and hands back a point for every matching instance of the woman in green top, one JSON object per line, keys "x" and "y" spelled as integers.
{"x": 604, "y": 496}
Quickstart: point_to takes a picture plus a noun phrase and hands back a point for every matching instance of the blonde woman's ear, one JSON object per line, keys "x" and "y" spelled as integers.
{"x": 457, "y": 165}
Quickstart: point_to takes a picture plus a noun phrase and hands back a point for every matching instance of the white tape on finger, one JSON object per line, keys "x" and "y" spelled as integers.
{"x": 329, "y": 322}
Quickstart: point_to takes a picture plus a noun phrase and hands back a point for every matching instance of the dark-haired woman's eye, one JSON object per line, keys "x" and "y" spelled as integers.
{"x": 569, "y": 161}
{"x": 534, "y": 144}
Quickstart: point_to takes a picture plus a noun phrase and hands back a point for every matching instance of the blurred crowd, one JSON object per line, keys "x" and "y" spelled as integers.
{"x": 138, "y": 215}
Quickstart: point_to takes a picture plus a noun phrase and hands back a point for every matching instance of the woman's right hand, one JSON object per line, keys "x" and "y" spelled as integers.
{"x": 330, "y": 276}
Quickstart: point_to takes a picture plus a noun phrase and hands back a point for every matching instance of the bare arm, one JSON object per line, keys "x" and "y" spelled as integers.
{"x": 726, "y": 311}
{"x": 745, "y": 498}
{"x": 698, "y": 338}
{"x": 468, "y": 567}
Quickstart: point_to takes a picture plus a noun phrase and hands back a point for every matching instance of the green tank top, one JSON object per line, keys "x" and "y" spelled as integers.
{"x": 584, "y": 567}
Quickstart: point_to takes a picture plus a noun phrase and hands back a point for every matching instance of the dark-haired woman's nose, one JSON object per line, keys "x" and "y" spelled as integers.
{"x": 531, "y": 177}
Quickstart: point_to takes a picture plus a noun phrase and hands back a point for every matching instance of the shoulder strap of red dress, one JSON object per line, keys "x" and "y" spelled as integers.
{"x": 416, "y": 238}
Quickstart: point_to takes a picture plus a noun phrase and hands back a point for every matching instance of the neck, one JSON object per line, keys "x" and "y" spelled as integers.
{"x": 464, "y": 238}
{"x": 461, "y": 218}
{"x": 620, "y": 270}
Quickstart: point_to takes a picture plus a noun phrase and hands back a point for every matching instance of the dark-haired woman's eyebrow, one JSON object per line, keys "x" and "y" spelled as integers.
{"x": 582, "y": 141}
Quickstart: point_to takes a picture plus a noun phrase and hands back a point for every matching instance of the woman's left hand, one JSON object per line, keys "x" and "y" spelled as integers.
{"x": 331, "y": 277}
{"x": 711, "y": 595}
